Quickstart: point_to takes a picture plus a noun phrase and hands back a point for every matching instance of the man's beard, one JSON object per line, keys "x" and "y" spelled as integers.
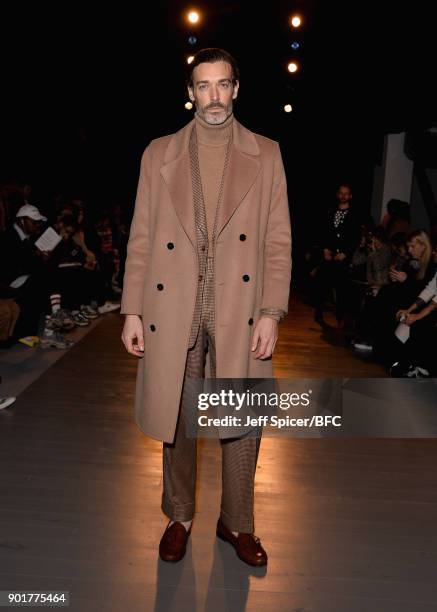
{"x": 215, "y": 118}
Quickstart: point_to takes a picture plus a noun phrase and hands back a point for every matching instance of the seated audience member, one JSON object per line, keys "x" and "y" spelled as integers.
{"x": 378, "y": 261}
{"x": 79, "y": 280}
{"x": 26, "y": 271}
{"x": 358, "y": 265}
{"x": 358, "y": 286}
{"x": 87, "y": 237}
{"x": 107, "y": 253}
{"x": 405, "y": 285}
{"x": 416, "y": 357}
{"x": 399, "y": 251}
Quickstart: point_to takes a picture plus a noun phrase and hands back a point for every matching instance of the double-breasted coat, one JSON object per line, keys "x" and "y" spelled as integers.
{"x": 252, "y": 266}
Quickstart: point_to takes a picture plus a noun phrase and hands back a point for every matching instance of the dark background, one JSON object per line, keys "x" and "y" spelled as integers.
{"x": 366, "y": 70}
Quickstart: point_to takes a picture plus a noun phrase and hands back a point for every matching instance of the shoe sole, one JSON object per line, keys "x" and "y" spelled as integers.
{"x": 8, "y": 403}
{"x": 48, "y": 344}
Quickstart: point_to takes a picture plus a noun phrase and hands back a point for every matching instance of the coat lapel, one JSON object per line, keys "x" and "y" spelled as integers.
{"x": 243, "y": 169}
{"x": 176, "y": 172}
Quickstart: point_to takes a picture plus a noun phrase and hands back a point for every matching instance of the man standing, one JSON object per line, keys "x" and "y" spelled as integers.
{"x": 207, "y": 271}
{"x": 341, "y": 234}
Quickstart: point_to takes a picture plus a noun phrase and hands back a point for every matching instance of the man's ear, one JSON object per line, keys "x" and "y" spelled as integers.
{"x": 190, "y": 93}
{"x": 235, "y": 92}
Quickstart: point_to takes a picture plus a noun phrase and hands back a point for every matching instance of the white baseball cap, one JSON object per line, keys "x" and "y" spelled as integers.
{"x": 30, "y": 211}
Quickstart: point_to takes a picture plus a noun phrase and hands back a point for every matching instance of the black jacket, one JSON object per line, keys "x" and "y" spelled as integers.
{"x": 17, "y": 256}
{"x": 344, "y": 238}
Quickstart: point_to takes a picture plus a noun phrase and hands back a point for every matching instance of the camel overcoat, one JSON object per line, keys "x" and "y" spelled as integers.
{"x": 252, "y": 266}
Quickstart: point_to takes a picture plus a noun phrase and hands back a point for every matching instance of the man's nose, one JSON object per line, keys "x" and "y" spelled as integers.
{"x": 214, "y": 93}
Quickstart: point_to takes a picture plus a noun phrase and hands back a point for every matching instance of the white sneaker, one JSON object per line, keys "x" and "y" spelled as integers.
{"x": 417, "y": 372}
{"x": 108, "y": 307}
{"x": 64, "y": 318}
{"x": 89, "y": 312}
{"x": 363, "y": 346}
{"x": 6, "y": 401}
{"x": 51, "y": 338}
{"x": 80, "y": 318}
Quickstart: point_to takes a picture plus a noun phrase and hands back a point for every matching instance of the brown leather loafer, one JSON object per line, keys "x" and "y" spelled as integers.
{"x": 173, "y": 544}
{"x": 247, "y": 545}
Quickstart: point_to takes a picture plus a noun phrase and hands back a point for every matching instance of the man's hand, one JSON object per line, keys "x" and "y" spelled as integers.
{"x": 133, "y": 336}
{"x": 402, "y": 313}
{"x": 327, "y": 254}
{"x": 397, "y": 275}
{"x": 411, "y": 318}
{"x": 264, "y": 337}
{"x": 44, "y": 255}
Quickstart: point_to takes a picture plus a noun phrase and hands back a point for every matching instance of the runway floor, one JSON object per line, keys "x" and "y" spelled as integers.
{"x": 349, "y": 525}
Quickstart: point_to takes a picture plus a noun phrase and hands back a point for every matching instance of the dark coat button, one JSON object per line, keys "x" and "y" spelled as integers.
{"x": 152, "y": 328}
{"x": 250, "y": 321}
{"x": 200, "y": 277}
{"x": 203, "y": 247}
{"x": 170, "y": 245}
{"x": 242, "y": 237}
{"x": 160, "y": 286}
{"x": 246, "y": 278}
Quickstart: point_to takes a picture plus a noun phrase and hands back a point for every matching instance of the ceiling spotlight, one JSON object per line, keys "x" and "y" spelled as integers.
{"x": 193, "y": 17}
{"x": 295, "y": 45}
{"x": 192, "y": 40}
{"x": 188, "y": 105}
{"x": 288, "y": 108}
{"x": 296, "y": 21}
{"x": 292, "y": 67}
{"x": 190, "y": 59}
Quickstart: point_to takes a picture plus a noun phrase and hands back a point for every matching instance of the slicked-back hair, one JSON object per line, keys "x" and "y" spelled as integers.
{"x": 211, "y": 55}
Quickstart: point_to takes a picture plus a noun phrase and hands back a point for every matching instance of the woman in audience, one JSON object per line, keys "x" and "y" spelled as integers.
{"x": 417, "y": 356}
{"x": 405, "y": 285}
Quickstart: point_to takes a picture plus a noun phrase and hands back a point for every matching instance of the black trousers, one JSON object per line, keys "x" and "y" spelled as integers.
{"x": 419, "y": 349}
{"x": 331, "y": 275}
{"x": 80, "y": 286}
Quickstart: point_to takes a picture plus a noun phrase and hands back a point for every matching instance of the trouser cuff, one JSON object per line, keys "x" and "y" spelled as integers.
{"x": 179, "y": 512}
{"x": 237, "y": 523}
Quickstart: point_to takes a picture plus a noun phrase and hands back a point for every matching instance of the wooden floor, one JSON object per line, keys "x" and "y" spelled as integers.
{"x": 306, "y": 350}
{"x": 349, "y": 525}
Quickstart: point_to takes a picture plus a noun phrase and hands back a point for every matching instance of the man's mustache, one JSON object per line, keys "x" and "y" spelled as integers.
{"x": 216, "y": 105}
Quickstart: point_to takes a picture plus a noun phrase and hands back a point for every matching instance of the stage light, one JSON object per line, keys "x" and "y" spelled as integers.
{"x": 192, "y": 40}
{"x": 288, "y": 108}
{"x": 296, "y": 21}
{"x": 292, "y": 67}
{"x": 193, "y": 17}
{"x": 190, "y": 59}
{"x": 295, "y": 45}
{"x": 188, "y": 105}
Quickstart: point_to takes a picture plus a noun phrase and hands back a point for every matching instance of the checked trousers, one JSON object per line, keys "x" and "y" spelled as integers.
{"x": 239, "y": 455}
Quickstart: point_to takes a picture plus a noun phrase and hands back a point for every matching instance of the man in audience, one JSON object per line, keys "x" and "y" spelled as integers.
{"x": 30, "y": 277}
{"x": 341, "y": 235}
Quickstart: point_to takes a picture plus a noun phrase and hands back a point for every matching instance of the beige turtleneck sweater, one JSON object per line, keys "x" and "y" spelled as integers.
{"x": 211, "y": 142}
